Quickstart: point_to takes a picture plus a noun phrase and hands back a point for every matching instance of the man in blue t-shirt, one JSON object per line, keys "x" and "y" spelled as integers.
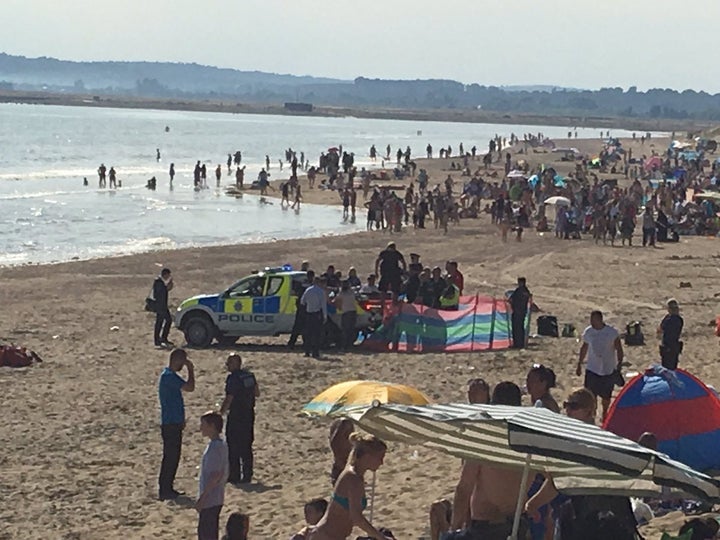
{"x": 241, "y": 391}
{"x": 172, "y": 409}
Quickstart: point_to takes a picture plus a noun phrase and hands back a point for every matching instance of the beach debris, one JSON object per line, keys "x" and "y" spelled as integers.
{"x": 114, "y": 328}
{"x": 685, "y": 285}
{"x": 12, "y": 356}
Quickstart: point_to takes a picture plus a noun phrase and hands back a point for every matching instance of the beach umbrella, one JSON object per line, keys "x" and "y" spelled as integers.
{"x": 653, "y": 162}
{"x": 581, "y": 458}
{"x": 340, "y": 399}
{"x": 558, "y": 201}
{"x": 710, "y": 195}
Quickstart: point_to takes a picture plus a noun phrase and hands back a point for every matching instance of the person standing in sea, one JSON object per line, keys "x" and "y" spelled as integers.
{"x": 101, "y": 174}
{"x": 172, "y": 410}
{"x": 218, "y": 175}
{"x": 172, "y": 172}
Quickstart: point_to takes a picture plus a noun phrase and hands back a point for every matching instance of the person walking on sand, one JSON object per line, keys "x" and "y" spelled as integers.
{"x": 213, "y": 475}
{"x": 172, "y": 411}
{"x": 603, "y": 349}
{"x": 241, "y": 391}
{"x": 162, "y": 286}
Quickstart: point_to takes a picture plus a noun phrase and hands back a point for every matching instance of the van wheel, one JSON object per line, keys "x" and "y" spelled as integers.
{"x": 199, "y": 331}
{"x": 226, "y": 341}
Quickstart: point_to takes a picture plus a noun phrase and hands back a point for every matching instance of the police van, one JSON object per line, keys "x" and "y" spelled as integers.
{"x": 261, "y": 304}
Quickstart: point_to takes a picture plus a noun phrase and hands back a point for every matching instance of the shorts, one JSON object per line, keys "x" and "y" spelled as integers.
{"x": 484, "y": 530}
{"x": 600, "y": 385}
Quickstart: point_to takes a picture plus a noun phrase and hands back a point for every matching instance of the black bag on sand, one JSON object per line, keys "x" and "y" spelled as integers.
{"x": 547, "y": 325}
{"x": 634, "y": 335}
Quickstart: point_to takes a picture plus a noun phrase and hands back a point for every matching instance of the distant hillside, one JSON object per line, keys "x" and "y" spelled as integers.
{"x": 196, "y": 82}
{"x": 32, "y": 73}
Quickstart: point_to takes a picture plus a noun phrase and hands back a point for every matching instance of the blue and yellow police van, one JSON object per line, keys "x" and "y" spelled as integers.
{"x": 261, "y": 304}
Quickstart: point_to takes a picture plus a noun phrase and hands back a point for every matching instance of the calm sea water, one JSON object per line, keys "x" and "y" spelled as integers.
{"x": 47, "y": 215}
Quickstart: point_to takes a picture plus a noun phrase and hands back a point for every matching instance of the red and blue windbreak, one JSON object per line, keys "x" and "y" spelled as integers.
{"x": 682, "y": 412}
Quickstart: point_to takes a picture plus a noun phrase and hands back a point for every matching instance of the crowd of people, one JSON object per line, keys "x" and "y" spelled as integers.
{"x": 485, "y": 497}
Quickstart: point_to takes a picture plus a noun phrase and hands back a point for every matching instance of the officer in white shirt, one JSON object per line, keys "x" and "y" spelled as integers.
{"x": 315, "y": 301}
{"x": 603, "y": 349}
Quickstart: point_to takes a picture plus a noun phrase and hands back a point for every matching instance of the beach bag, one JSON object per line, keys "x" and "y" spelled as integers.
{"x": 634, "y": 335}
{"x": 547, "y": 325}
{"x": 150, "y": 302}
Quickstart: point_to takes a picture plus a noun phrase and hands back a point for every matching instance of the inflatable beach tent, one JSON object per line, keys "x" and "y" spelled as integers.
{"x": 481, "y": 323}
{"x": 682, "y": 412}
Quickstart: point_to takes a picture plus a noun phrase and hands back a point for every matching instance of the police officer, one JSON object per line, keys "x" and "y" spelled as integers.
{"x": 241, "y": 390}
{"x": 450, "y": 297}
{"x": 519, "y": 302}
{"x": 300, "y": 311}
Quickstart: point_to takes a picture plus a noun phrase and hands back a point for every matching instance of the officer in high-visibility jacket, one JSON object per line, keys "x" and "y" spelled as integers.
{"x": 450, "y": 298}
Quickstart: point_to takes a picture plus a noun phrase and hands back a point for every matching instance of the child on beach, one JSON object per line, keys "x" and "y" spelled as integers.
{"x": 213, "y": 476}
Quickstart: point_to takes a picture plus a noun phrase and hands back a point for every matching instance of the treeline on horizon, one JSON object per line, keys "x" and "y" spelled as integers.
{"x": 193, "y": 81}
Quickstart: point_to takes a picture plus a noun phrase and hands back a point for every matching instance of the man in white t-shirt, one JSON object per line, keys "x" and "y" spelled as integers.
{"x": 603, "y": 349}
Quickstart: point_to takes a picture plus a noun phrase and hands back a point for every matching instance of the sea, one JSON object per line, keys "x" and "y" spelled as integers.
{"x": 47, "y": 215}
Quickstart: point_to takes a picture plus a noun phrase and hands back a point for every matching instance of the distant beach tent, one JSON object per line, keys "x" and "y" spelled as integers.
{"x": 682, "y": 412}
{"x": 481, "y": 323}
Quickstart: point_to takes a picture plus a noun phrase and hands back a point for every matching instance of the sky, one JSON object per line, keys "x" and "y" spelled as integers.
{"x": 572, "y": 43}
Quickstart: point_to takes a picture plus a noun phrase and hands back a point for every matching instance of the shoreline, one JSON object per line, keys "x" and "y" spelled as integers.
{"x": 424, "y": 115}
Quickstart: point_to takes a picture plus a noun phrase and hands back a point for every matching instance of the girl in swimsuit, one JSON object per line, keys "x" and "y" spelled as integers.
{"x": 348, "y": 500}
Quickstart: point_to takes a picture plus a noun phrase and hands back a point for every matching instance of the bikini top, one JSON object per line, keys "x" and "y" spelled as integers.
{"x": 345, "y": 502}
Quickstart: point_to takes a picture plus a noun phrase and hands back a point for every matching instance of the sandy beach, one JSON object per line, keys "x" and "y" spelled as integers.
{"x": 81, "y": 432}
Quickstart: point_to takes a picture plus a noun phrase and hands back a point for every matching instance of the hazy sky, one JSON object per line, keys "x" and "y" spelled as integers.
{"x": 577, "y": 43}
